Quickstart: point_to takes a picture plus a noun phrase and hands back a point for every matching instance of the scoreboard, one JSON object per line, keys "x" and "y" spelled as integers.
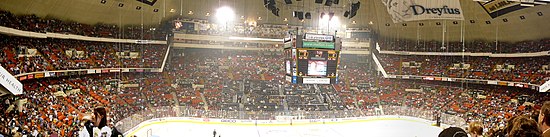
{"x": 312, "y": 59}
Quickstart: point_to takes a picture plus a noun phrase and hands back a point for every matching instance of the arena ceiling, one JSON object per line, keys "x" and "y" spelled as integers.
{"x": 372, "y": 14}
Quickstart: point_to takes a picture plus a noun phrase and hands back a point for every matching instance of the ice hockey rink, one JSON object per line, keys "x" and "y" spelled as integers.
{"x": 361, "y": 128}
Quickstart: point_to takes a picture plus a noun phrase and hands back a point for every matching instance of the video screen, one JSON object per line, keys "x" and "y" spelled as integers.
{"x": 317, "y": 68}
{"x": 287, "y": 67}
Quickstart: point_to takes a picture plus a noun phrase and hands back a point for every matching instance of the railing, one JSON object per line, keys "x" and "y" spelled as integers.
{"x": 134, "y": 120}
{"x": 30, "y": 34}
{"x": 58, "y": 73}
{"x": 447, "y": 119}
{"x": 473, "y": 54}
{"x": 466, "y": 80}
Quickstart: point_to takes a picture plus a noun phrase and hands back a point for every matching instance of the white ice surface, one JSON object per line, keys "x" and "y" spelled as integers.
{"x": 382, "y": 128}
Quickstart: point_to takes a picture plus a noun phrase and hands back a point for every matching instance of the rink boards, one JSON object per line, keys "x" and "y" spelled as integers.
{"x": 273, "y": 123}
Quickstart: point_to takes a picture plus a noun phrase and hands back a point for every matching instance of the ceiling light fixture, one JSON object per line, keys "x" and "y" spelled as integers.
{"x": 225, "y": 14}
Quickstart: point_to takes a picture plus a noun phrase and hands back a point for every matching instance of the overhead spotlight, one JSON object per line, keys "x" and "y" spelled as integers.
{"x": 298, "y": 14}
{"x": 288, "y": 1}
{"x": 259, "y": 18}
{"x": 328, "y": 3}
{"x": 242, "y": 17}
{"x": 275, "y": 11}
{"x": 155, "y": 10}
{"x": 103, "y": 1}
{"x": 354, "y": 9}
{"x": 138, "y": 8}
{"x": 319, "y": 1}
{"x": 308, "y": 15}
{"x": 225, "y": 14}
{"x": 120, "y": 5}
{"x": 354, "y": 22}
{"x": 148, "y": 2}
{"x": 207, "y": 14}
{"x": 346, "y": 14}
{"x": 190, "y": 12}
{"x": 269, "y": 3}
{"x": 285, "y": 20}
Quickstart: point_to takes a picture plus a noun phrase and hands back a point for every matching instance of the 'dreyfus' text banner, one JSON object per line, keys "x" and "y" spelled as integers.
{"x": 414, "y": 10}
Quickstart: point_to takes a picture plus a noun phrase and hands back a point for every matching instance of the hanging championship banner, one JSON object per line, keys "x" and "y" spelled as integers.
{"x": 414, "y": 10}
{"x": 497, "y": 8}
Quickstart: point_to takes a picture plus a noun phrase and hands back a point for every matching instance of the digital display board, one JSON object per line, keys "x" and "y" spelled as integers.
{"x": 317, "y": 62}
{"x": 311, "y": 59}
{"x": 317, "y": 68}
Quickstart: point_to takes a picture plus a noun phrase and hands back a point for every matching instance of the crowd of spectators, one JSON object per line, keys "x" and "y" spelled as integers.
{"x": 43, "y": 25}
{"x": 528, "y": 70}
{"x": 250, "y": 78}
{"x": 493, "y": 106}
{"x": 54, "y": 106}
{"x": 24, "y": 55}
{"x": 204, "y": 27}
{"x": 476, "y": 46}
{"x": 473, "y": 102}
{"x": 251, "y": 81}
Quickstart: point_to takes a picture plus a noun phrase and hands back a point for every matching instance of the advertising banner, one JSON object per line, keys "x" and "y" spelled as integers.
{"x": 91, "y": 71}
{"x": 321, "y": 45}
{"x": 319, "y": 37}
{"x": 10, "y": 83}
{"x": 545, "y": 87}
{"x": 316, "y": 81}
{"x": 39, "y": 75}
{"x": 414, "y": 10}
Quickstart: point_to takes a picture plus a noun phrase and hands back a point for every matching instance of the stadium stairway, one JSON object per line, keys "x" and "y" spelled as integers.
{"x": 175, "y": 97}
{"x": 70, "y": 105}
{"x": 285, "y": 104}
{"x": 204, "y": 99}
